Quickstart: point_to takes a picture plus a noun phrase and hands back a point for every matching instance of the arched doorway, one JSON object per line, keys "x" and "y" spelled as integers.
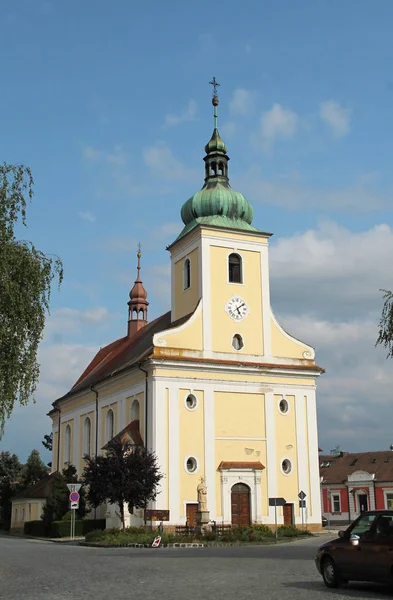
{"x": 240, "y": 502}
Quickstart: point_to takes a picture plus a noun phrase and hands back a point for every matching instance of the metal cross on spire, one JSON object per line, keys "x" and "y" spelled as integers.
{"x": 215, "y": 85}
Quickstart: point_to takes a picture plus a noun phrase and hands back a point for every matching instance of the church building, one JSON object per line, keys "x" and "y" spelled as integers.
{"x": 215, "y": 386}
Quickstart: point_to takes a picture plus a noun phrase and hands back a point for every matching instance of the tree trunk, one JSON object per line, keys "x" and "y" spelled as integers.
{"x": 122, "y": 515}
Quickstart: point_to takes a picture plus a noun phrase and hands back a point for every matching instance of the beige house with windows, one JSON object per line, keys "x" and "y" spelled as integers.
{"x": 215, "y": 386}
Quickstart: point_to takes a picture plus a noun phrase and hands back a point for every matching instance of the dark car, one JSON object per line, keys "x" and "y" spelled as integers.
{"x": 363, "y": 552}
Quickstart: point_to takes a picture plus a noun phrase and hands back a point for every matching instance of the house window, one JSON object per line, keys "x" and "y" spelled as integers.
{"x": 109, "y": 425}
{"x": 286, "y": 466}
{"x": 235, "y": 274}
{"x": 67, "y": 445}
{"x": 16, "y": 515}
{"x": 336, "y": 503}
{"x": 86, "y": 436}
{"x": 23, "y": 514}
{"x": 187, "y": 274}
{"x": 389, "y": 501}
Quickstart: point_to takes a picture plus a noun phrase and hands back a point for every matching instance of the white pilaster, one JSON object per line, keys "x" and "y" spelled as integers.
{"x": 267, "y": 345}
{"x": 160, "y": 442}
{"x": 174, "y": 455}
{"x": 210, "y": 461}
{"x": 314, "y": 506}
{"x": 302, "y": 462}
{"x": 206, "y": 298}
{"x": 271, "y": 454}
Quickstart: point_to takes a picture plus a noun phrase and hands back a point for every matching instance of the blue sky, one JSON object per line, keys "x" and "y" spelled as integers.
{"x": 109, "y": 104}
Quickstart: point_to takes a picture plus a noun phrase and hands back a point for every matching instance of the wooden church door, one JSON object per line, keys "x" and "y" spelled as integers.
{"x": 240, "y": 501}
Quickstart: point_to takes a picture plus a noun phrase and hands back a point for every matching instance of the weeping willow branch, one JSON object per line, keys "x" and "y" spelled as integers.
{"x": 26, "y": 276}
{"x": 385, "y": 331}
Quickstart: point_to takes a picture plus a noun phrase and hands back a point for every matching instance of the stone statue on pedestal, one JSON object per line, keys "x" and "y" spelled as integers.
{"x": 202, "y": 496}
{"x": 202, "y": 516}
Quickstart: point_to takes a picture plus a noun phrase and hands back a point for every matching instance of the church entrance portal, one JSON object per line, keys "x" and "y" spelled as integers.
{"x": 240, "y": 501}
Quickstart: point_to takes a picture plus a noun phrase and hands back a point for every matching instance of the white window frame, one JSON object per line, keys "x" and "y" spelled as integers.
{"x": 87, "y": 436}
{"x": 336, "y": 495}
{"x": 235, "y": 251}
{"x": 67, "y": 444}
{"x": 386, "y": 493}
{"x": 109, "y": 434}
{"x": 186, "y": 287}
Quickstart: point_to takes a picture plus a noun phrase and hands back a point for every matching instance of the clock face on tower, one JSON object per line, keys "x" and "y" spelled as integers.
{"x": 237, "y": 308}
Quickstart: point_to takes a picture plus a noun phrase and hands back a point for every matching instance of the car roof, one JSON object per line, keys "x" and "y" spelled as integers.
{"x": 379, "y": 511}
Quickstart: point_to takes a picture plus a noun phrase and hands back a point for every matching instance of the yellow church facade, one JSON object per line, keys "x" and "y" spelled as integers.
{"x": 215, "y": 387}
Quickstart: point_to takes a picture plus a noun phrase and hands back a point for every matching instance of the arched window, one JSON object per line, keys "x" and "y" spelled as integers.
{"x": 86, "y": 436}
{"x": 237, "y": 342}
{"x": 67, "y": 444}
{"x": 187, "y": 274}
{"x": 235, "y": 274}
{"x": 110, "y": 429}
{"x": 135, "y": 411}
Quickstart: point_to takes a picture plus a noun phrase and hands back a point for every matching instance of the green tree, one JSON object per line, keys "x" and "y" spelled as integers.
{"x": 124, "y": 475}
{"x": 58, "y": 504}
{"x": 385, "y": 331}
{"x": 26, "y": 275}
{"x": 47, "y": 442}
{"x": 34, "y": 469}
{"x": 10, "y": 469}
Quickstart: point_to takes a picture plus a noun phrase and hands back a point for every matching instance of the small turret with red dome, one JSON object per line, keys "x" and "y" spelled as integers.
{"x": 137, "y": 305}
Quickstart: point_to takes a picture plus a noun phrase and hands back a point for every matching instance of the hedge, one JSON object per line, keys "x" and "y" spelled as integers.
{"x": 60, "y": 529}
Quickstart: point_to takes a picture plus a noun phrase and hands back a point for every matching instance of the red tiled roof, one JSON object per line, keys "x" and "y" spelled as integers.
{"x": 240, "y": 465}
{"x": 122, "y": 354}
{"x": 378, "y": 463}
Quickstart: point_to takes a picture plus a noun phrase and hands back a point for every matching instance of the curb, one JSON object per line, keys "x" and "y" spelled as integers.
{"x": 174, "y": 545}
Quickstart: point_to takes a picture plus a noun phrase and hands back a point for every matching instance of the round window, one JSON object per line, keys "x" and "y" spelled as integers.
{"x": 286, "y": 466}
{"x": 191, "y": 464}
{"x": 283, "y": 406}
{"x": 191, "y": 402}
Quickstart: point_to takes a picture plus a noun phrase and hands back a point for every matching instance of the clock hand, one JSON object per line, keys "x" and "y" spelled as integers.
{"x": 239, "y": 307}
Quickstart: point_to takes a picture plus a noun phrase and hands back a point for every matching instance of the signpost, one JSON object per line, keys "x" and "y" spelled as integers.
{"x": 276, "y": 502}
{"x": 302, "y": 504}
{"x": 74, "y": 503}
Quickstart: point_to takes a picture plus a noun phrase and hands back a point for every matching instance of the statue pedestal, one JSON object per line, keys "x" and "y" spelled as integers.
{"x": 202, "y": 521}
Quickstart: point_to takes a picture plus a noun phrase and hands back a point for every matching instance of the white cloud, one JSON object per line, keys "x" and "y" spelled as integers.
{"x": 187, "y": 115}
{"x": 278, "y": 123}
{"x": 291, "y": 192}
{"x": 325, "y": 290}
{"x": 87, "y": 216}
{"x": 336, "y": 117}
{"x": 70, "y": 320}
{"x": 160, "y": 160}
{"x": 242, "y": 102}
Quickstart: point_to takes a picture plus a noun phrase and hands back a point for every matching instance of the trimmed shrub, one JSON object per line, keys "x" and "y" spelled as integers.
{"x": 37, "y": 528}
{"x": 291, "y": 531}
{"x": 92, "y": 525}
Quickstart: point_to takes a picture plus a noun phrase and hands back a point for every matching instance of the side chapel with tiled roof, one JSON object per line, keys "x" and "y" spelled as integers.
{"x": 215, "y": 386}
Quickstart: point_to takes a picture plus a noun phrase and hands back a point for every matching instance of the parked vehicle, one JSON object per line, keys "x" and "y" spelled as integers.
{"x": 363, "y": 552}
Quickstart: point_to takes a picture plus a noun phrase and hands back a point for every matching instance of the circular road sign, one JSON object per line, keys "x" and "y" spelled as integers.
{"x": 74, "y": 496}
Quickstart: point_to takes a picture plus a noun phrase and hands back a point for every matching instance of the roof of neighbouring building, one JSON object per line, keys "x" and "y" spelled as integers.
{"x": 41, "y": 489}
{"x": 336, "y": 469}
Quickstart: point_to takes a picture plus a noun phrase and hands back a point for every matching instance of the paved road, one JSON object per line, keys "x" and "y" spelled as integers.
{"x": 40, "y": 570}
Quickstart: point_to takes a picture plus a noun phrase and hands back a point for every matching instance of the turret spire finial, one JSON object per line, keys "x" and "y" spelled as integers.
{"x": 215, "y": 99}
